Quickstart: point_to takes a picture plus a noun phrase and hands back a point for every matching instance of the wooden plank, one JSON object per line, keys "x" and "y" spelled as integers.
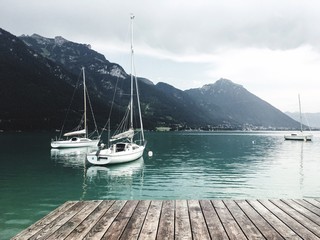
{"x": 214, "y": 225}
{"x": 120, "y": 222}
{"x": 182, "y": 221}
{"x": 39, "y": 225}
{"x": 150, "y": 226}
{"x": 166, "y": 223}
{"x": 289, "y": 221}
{"x": 308, "y": 206}
{"x": 198, "y": 225}
{"x": 135, "y": 223}
{"x": 72, "y": 223}
{"x": 275, "y": 222}
{"x": 82, "y": 229}
{"x": 304, "y": 211}
{"x": 265, "y": 228}
{"x": 230, "y": 225}
{"x": 59, "y": 221}
{"x": 248, "y": 228}
{"x": 314, "y": 202}
{"x": 301, "y": 219}
{"x": 105, "y": 221}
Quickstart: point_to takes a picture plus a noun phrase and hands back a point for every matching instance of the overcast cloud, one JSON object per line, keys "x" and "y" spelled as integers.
{"x": 271, "y": 47}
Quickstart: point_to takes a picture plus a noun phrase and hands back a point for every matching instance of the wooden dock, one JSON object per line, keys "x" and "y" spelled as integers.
{"x": 180, "y": 219}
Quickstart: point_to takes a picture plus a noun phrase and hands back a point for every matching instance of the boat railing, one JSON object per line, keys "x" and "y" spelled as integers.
{"x": 141, "y": 142}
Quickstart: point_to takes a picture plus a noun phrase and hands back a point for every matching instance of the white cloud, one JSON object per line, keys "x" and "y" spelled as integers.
{"x": 274, "y": 75}
{"x": 270, "y": 47}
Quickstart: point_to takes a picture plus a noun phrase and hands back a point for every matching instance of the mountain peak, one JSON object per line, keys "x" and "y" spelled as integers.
{"x": 223, "y": 82}
{"x": 221, "y": 85}
{"x": 60, "y": 40}
{"x": 39, "y": 38}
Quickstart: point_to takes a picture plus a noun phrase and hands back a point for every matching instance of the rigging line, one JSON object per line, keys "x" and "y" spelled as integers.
{"x": 305, "y": 117}
{"x": 138, "y": 100}
{"x": 80, "y": 123}
{"x": 74, "y": 91}
{"x": 112, "y": 103}
{"x": 124, "y": 121}
{"x": 114, "y": 93}
{"x": 94, "y": 120}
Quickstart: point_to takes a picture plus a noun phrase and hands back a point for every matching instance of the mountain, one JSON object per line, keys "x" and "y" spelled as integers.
{"x": 29, "y": 83}
{"x": 160, "y": 108}
{"x": 308, "y": 119}
{"x": 100, "y": 73}
{"x": 180, "y": 103}
{"x": 235, "y": 104}
{"x": 38, "y": 76}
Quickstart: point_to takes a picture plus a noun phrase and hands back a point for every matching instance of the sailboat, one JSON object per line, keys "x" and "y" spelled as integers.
{"x": 122, "y": 147}
{"x": 299, "y": 136}
{"x": 78, "y": 137}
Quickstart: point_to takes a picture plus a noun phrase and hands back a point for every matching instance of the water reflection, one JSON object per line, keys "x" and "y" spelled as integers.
{"x": 125, "y": 170}
{"x": 225, "y": 165}
{"x": 120, "y": 181}
{"x": 71, "y": 157}
{"x": 205, "y": 165}
{"x": 301, "y": 167}
{"x": 295, "y": 154}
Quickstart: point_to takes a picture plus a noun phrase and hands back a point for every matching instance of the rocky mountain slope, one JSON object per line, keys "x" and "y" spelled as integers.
{"x": 29, "y": 83}
{"x": 233, "y": 102}
{"x": 39, "y": 75}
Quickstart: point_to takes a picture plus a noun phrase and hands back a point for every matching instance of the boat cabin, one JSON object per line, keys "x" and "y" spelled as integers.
{"x": 120, "y": 147}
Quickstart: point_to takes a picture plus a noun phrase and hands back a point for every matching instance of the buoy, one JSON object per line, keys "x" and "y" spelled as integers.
{"x": 150, "y": 153}
{"x": 253, "y": 142}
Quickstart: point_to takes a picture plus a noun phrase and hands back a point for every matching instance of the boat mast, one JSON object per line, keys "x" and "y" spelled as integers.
{"x": 131, "y": 93}
{"x": 84, "y": 103}
{"x": 300, "y": 113}
{"x": 136, "y": 85}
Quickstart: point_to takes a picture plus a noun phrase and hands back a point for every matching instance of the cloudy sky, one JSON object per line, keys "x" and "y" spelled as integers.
{"x": 271, "y": 47}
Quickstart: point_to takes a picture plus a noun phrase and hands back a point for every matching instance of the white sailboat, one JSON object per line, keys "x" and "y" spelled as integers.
{"x": 299, "y": 136}
{"x": 78, "y": 137}
{"x": 123, "y": 148}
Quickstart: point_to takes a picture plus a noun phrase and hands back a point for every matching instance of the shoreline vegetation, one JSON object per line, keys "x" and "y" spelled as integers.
{"x": 169, "y": 129}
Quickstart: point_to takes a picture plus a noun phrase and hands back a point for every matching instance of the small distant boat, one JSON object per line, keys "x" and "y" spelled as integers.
{"x": 299, "y": 136}
{"x": 78, "y": 137}
{"x": 123, "y": 147}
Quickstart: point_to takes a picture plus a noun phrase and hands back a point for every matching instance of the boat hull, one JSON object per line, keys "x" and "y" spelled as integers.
{"x": 107, "y": 156}
{"x": 298, "y": 137}
{"x": 75, "y": 143}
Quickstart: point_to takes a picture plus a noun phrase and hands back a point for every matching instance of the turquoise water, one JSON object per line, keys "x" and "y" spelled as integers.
{"x": 185, "y": 165}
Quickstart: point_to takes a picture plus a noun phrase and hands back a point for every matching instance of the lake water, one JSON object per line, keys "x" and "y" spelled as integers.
{"x": 34, "y": 180}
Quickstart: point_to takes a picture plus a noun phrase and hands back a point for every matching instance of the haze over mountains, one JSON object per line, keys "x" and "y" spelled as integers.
{"x": 308, "y": 119}
{"x": 38, "y": 76}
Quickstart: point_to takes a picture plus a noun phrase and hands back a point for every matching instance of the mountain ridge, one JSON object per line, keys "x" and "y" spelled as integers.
{"x": 235, "y": 102}
{"x": 162, "y": 104}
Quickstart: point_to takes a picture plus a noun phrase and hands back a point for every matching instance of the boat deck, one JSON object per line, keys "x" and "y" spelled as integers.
{"x": 180, "y": 219}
